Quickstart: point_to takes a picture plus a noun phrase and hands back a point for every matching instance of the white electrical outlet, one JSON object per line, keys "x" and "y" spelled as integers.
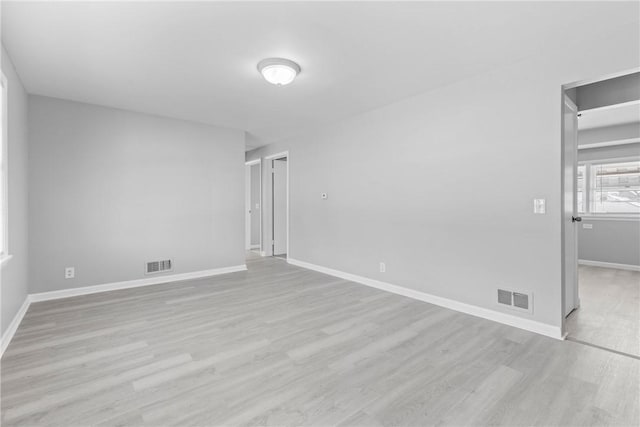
{"x": 257, "y": 205}
{"x": 383, "y": 267}
{"x": 69, "y": 272}
{"x": 587, "y": 226}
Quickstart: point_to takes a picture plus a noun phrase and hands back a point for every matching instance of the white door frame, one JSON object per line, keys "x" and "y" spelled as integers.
{"x": 563, "y": 90}
{"x": 569, "y": 154}
{"x": 280, "y": 155}
{"x": 251, "y": 163}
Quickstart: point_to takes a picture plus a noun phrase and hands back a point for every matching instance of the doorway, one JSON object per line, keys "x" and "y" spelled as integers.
{"x": 601, "y": 213}
{"x": 253, "y": 206}
{"x": 279, "y": 165}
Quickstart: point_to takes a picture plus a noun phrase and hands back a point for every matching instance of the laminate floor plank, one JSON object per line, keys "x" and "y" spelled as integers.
{"x": 281, "y": 345}
{"x": 609, "y": 312}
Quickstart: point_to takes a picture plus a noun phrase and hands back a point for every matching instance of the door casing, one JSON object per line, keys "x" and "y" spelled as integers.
{"x": 270, "y": 158}
{"x": 260, "y": 217}
{"x": 570, "y": 299}
{"x": 572, "y": 157}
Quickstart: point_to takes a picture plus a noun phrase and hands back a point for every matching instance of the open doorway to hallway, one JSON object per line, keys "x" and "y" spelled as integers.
{"x": 601, "y": 223}
{"x": 279, "y": 206}
{"x": 253, "y": 206}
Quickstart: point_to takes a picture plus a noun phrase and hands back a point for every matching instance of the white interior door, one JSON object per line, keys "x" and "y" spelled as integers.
{"x": 255, "y": 206}
{"x": 570, "y": 208}
{"x": 247, "y": 207}
{"x": 280, "y": 206}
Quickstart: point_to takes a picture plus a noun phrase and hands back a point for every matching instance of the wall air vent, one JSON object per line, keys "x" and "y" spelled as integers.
{"x": 520, "y": 301}
{"x": 504, "y": 297}
{"x": 153, "y": 267}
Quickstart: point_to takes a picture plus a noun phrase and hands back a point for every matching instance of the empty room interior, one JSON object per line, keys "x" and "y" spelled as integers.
{"x": 320, "y": 213}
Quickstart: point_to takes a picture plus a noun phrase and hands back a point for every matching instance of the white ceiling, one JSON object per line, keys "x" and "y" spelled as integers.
{"x": 612, "y": 115}
{"x": 197, "y": 61}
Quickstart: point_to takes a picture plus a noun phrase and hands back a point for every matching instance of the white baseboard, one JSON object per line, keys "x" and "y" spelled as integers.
{"x": 485, "y": 313}
{"x": 66, "y": 293}
{"x": 147, "y": 281}
{"x": 609, "y": 265}
{"x": 13, "y": 326}
{"x": 254, "y": 247}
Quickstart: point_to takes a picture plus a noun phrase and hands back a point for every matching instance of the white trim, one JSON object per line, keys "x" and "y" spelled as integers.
{"x": 609, "y": 143}
{"x": 13, "y": 326}
{"x": 254, "y": 247}
{"x": 4, "y": 259}
{"x": 252, "y": 162}
{"x": 263, "y": 253}
{"x": 66, "y": 293}
{"x": 485, "y": 313}
{"x": 276, "y": 156}
{"x": 630, "y": 267}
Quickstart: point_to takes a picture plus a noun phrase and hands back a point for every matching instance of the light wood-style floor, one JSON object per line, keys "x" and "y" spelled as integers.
{"x": 609, "y": 312}
{"x": 280, "y": 345}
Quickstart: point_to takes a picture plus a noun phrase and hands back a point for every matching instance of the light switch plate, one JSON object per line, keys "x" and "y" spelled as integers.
{"x": 587, "y": 226}
{"x": 539, "y": 206}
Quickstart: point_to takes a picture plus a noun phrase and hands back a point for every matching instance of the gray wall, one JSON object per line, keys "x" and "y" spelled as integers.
{"x": 420, "y": 184}
{"x": 255, "y": 201}
{"x": 614, "y": 241}
{"x": 14, "y": 277}
{"x": 110, "y": 190}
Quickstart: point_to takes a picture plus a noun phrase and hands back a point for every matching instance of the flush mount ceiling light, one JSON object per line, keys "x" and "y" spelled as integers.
{"x": 278, "y": 71}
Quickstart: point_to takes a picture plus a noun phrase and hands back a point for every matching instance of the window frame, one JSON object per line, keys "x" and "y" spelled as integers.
{"x": 588, "y": 185}
{"x": 584, "y": 189}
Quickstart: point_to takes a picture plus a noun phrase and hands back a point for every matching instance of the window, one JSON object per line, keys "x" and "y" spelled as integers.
{"x": 610, "y": 188}
{"x": 615, "y": 188}
{"x": 4, "y": 249}
{"x": 580, "y": 189}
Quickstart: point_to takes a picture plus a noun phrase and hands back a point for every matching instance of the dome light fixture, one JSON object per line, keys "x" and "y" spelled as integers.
{"x": 278, "y": 71}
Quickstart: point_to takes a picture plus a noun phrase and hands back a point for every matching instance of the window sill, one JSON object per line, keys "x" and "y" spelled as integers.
{"x": 610, "y": 217}
{"x": 5, "y": 259}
